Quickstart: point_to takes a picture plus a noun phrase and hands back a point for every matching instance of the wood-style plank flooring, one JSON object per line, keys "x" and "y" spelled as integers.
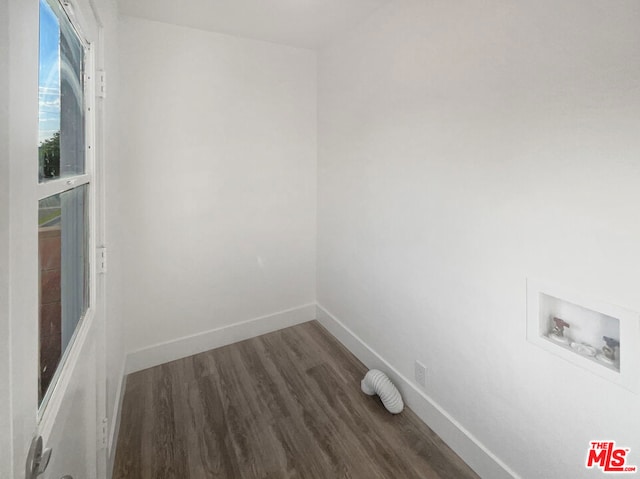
{"x": 284, "y": 405}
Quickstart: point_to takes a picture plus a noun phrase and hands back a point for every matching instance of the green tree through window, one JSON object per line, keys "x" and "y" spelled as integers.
{"x": 49, "y": 157}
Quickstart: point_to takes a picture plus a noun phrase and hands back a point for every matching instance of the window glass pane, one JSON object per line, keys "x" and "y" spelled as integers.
{"x": 64, "y": 278}
{"x": 49, "y": 94}
{"x": 61, "y": 96}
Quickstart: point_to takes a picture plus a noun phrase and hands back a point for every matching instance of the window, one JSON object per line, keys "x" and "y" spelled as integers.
{"x": 64, "y": 190}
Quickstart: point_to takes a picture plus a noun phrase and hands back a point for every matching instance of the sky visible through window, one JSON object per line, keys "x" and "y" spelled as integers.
{"x": 49, "y": 76}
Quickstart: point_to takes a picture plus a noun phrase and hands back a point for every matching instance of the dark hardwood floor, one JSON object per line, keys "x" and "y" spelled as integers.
{"x": 284, "y": 405}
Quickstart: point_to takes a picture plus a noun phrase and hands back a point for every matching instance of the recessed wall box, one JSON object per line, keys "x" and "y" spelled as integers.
{"x": 597, "y": 336}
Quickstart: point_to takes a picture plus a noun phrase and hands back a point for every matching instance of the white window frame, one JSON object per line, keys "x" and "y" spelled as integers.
{"x": 55, "y": 393}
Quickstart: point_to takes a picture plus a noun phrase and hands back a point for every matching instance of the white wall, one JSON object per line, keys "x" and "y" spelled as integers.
{"x": 463, "y": 147}
{"x": 113, "y": 287}
{"x": 216, "y": 180}
{"x": 5, "y": 354}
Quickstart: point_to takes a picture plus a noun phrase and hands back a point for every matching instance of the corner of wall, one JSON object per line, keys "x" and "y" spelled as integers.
{"x": 467, "y": 446}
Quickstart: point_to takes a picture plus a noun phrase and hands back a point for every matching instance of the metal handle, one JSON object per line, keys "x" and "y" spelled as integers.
{"x": 37, "y": 459}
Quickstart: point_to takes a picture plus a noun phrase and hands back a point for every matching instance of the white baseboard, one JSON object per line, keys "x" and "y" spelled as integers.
{"x": 469, "y": 448}
{"x": 115, "y": 421}
{"x": 197, "y": 343}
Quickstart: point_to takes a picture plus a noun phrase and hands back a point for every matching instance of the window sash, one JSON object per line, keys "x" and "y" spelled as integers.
{"x": 64, "y": 184}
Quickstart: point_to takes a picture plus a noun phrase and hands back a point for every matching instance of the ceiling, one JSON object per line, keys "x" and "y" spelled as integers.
{"x": 299, "y": 23}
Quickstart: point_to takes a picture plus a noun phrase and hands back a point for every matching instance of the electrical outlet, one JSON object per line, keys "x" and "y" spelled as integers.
{"x": 420, "y": 373}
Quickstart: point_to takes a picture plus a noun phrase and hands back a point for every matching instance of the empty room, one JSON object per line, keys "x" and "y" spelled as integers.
{"x": 318, "y": 239}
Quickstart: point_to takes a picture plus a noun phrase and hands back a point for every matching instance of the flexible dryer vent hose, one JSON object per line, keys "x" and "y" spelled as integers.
{"x": 377, "y": 382}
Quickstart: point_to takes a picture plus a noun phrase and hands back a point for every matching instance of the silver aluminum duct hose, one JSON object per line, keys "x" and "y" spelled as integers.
{"x": 377, "y": 382}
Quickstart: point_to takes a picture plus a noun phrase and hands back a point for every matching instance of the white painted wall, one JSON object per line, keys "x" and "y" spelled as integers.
{"x": 5, "y": 353}
{"x": 463, "y": 147}
{"x": 216, "y": 180}
{"x": 113, "y": 287}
